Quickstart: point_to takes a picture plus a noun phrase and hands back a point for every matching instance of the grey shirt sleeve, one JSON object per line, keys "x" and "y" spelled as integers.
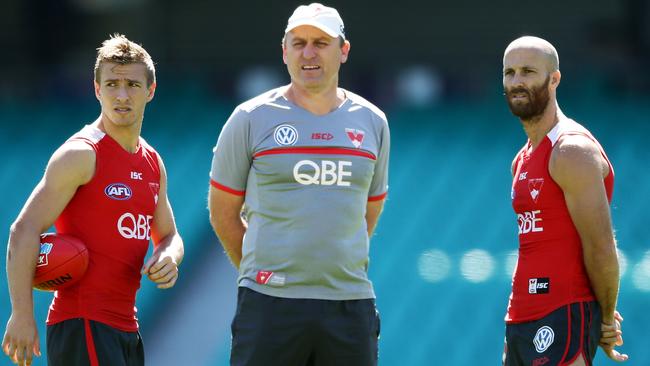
{"x": 379, "y": 184}
{"x": 232, "y": 157}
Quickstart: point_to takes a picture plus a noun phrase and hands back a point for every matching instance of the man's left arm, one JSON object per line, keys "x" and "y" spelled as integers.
{"x": 379, "y": 184}
{"x": 162, "y": 266}
{"x": 578, "y": 166}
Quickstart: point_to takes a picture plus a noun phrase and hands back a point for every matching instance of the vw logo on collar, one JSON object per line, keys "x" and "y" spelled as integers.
{"x": 543, "y": 338}
{"x": 285, "y": 135}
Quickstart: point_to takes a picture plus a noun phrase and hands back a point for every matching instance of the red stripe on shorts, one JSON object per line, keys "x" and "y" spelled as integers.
{"x": 90, "y": 344}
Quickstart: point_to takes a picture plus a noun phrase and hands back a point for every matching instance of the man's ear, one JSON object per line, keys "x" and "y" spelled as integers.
{"x": 284, "y": 54}
{"x": 556, "y": 76}
{"x": 97, "y": 90}
{"x": 152, "y": 92}
{"x": 345, "y": 51}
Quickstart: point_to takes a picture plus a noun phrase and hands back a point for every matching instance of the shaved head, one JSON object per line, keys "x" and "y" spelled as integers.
{"x": 531, "y": 76}
{"x": 542, "y": 47}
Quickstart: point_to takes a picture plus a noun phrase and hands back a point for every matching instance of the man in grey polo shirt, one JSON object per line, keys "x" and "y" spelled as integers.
{"x": 298, "y": 180}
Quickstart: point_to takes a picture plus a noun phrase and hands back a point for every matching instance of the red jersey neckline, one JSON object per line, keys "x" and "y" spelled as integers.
{"x": 114, "y": 142}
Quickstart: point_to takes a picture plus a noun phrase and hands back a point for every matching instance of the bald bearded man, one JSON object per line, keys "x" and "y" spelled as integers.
{"x": 565, "y": 286}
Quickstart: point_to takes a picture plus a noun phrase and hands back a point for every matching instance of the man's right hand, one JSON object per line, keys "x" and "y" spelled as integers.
{"x": 20, "y": 341}
{"x": 611, "y": 337}
{"x": 614, "y": 354}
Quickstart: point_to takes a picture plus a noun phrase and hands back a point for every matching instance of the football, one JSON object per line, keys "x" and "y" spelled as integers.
{"x": 62, "y": 261}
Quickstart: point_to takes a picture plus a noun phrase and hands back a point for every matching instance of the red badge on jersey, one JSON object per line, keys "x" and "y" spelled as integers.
{"x": 355, "y": 136}
{"x": 263, "y": 277}
{"x": 535, "y": 188}
{"x": 154, "y": 188}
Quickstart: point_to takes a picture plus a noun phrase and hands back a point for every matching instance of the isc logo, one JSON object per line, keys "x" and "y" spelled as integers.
{"x": 539, "y": 285}
{"x": 322, "y": 136}
{"x": 118, "y": 191}
{"x": 132, "y": 227}
{"x": 530, "y": 222}
{"x": 327, "y": 173}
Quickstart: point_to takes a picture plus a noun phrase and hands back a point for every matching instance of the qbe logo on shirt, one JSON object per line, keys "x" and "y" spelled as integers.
{"x": 285, "y": 135}
{"x": 540, "y": 285}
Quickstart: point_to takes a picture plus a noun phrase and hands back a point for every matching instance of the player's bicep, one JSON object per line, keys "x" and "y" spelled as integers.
{"x": 578, "y": 169}
{"x": 70, "y": 167}
{"x": 223, "y": 203}
{"x": 224, "y": 206}
{"x": 589, "y": 210}
{"x": 163, "y": 223}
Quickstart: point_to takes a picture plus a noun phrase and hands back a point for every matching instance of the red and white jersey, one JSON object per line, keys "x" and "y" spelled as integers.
{"x": 550, "y": 270}
{"x": 112, "y": 214}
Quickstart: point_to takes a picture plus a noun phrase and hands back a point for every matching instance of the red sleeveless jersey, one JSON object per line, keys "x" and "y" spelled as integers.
{"x": 112, "y": 214}
{"x": 550, "y": 270}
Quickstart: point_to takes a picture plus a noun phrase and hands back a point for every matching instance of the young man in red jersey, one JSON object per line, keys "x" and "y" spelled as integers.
{"x": 94, "y": 322}
{"x": 565, "y": 286}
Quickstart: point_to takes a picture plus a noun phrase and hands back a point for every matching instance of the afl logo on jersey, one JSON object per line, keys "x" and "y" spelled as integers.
{"x": 118, "y": 191}
{"x": 285, "y": 135}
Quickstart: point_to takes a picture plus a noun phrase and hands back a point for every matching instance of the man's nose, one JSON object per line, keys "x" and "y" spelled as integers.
{"x": 518, "y": 80}
{"x": 309, "y": 51}
{"x": 122, "y": 94}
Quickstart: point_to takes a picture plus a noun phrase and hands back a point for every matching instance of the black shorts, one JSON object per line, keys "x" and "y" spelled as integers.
{"x": 268, "y": 330}
{"x": 559, "y": 338}
{"x": 83, "y": 342}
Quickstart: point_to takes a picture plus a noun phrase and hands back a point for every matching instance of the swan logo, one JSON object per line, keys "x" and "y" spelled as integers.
{"x": 535, "y": 188}
{"x": 355, "y": 136}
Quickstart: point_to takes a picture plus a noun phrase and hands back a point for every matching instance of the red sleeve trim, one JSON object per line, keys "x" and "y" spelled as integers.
{"x": 378, "y": 198}
{"x": 226, "y": 189}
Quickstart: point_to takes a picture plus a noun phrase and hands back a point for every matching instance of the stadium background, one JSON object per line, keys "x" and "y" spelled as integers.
{"x": 443, "y": 253}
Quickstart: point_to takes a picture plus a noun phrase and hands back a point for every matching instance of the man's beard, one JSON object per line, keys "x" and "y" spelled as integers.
{"x": 537, "y": 101}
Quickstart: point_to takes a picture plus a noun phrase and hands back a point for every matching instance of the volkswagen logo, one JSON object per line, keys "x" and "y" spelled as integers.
{"x": 285, "y": 135}
{"x": 543, "y": 338}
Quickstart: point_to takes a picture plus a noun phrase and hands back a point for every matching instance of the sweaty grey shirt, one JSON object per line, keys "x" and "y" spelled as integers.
{"x": 307, "y": 180}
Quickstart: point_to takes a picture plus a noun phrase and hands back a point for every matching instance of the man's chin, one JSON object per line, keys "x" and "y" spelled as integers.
{"x": 521, "y": 111}
{"x": 123, "y": 121}
{"x": 313, "y": 85}
{"x": 526, "y": 116}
